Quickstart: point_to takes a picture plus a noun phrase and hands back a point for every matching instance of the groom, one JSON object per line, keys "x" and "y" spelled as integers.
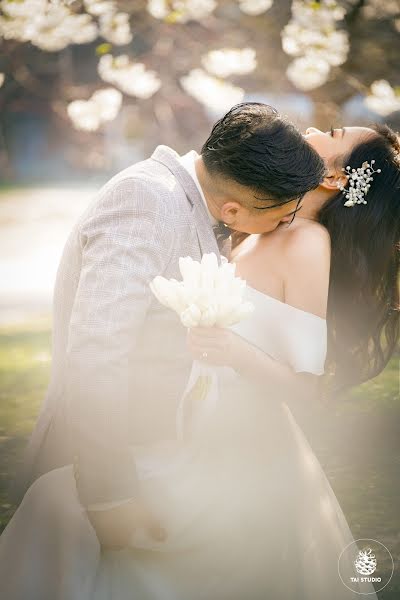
{"x": 120, "y": 360}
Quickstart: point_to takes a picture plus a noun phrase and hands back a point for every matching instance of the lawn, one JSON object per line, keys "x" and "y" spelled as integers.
{"x": 356, "y": 439}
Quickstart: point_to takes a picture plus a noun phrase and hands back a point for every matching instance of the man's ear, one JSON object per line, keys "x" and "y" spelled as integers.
{"x": 229, "y": 211}
{"x": 334, "y": 180}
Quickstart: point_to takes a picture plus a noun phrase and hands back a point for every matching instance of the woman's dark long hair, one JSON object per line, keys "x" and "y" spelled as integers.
{"x": 363, "y": 304}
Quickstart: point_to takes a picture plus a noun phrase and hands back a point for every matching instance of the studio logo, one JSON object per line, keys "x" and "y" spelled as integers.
{"x": 365, "y": 562}
{"x": 365, "y": 567}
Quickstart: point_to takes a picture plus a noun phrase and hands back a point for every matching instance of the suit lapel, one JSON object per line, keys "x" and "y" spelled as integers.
{"x": 201, "y": 221}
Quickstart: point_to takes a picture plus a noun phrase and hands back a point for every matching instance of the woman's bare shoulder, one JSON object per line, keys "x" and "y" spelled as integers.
{"x": 307, "y": 240}
{"x": 306, "y": 270}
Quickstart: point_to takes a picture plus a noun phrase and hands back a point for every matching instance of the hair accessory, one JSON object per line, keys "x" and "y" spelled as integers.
{"x": 359, "y": 183}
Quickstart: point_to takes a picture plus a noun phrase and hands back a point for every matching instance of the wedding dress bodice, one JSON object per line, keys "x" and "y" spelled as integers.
{"x": 287, "y": 334}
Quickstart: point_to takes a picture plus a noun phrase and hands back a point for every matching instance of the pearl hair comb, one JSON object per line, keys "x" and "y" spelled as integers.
{"x": 359, "y": 180}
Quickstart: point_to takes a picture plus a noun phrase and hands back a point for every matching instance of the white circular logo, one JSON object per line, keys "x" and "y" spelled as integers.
{"x": 365, "y": 568}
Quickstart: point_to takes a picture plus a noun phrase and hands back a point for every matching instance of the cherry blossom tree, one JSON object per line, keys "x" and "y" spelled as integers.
{"x": 172, "y": 65}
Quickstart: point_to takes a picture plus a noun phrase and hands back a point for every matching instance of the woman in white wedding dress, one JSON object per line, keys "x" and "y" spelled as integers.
{"x": 246, "y": 506}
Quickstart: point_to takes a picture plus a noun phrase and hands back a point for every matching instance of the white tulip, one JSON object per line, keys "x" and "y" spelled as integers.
{"x": 190, "y": 270}
{"x": 209, "y": 270}
{"x": 164, "y": 290}
{"x": 191, "y": 316}
{"x": 208, "y": 295}
{"x": 190, "y": 294}
{"x": 210, "y": 261}
{"x": 209, "y": 316}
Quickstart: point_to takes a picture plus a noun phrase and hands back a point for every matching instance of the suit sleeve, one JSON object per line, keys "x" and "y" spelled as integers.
{"x": 126, "y": 242}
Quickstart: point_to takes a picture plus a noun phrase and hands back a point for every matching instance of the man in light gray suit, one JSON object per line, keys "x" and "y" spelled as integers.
{"x": 120, "y": 361}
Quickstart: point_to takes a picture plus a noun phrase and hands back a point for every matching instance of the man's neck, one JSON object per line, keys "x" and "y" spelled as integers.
{"x": 203, "y": 180}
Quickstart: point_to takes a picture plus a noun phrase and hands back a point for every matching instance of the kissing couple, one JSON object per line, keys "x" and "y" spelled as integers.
{"x": 112, "y": 506}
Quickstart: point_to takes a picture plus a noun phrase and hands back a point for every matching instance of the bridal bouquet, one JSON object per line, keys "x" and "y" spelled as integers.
{"x": 208, "y": 295}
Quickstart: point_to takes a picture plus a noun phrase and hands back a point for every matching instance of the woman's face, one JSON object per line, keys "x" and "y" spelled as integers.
{"x": 336, "y": 142}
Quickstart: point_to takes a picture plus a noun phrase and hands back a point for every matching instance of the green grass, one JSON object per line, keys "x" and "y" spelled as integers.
{"x": 356, "y": 438}
{"x": 7, "y": 187}
{"x": 24, "y": 375}
{"x": 357, "y": 442}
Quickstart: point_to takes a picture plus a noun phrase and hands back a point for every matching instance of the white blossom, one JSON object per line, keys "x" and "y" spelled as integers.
{"x": 58, "y": 28}
{"x": 50, "y": 30}
{"x": 255, "y": 7}
{"x": 132, "y": 78}
{"x": 308, "y": 73}
{"x": 2, "y": 78}
{"x": 197, "y": 9}
{"x": 317, "y": 15}
{"x": 383, "y": 99}
{"x": 332, "y": 47}
{"x": 210, "y": 91}
{"x": 230, "y": 61}
{"x": 108, "y": 101}
{"x": 89, "y": 115}
{"x": 82, "y": 29}
{"x": 181, "y": 11}
{"x": 84, "y": 115}
{"x": 115, "y": 28}
{"x": 294, "y": 38}
{"x": 311, "y": 35}
{"x": 99, "y": 7}
{"x": 14, "y": 29}
{"x": 49, "y": 26}
{"x": 23, "y": 8}
{"x": 158, "y": 9}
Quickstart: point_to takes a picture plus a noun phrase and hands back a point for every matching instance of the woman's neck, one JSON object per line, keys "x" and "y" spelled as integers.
{"x": 312, "y": 204}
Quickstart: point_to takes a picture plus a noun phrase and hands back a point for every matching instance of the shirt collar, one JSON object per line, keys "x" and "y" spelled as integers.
{"x": 188, "y": 162}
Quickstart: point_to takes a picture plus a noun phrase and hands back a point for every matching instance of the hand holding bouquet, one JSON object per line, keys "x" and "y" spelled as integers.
{"x": 209, "y": 295}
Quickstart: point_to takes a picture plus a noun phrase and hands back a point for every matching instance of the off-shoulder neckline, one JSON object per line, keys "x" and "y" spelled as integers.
{"x": 299, "y": 310}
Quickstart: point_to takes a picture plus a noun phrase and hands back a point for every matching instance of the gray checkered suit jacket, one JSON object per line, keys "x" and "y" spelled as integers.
{"x": 120, "y": 361}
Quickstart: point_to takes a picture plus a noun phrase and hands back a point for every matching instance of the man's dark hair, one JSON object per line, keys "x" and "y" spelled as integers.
{"x": 258, "y": 148}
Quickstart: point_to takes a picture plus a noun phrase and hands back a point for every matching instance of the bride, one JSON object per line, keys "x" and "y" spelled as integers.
{"x": 247, "y": 509}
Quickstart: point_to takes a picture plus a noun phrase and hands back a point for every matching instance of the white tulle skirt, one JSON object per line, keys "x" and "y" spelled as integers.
{"x": 247, "y": 509}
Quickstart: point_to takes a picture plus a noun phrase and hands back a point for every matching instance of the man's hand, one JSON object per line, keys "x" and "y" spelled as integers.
{"x": 114, "y": 527}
